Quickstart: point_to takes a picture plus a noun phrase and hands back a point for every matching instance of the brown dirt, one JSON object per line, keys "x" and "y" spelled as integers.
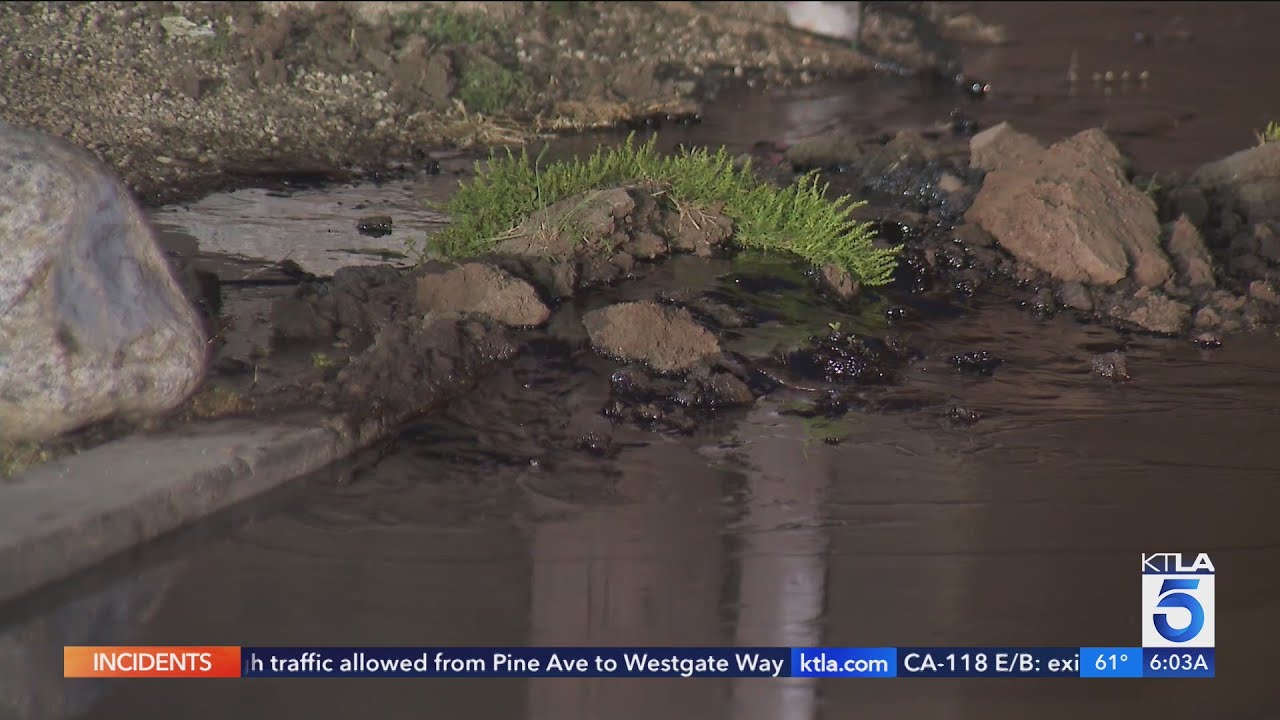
{"x": 666, "y": 339}
{"x": 597, "y": 238}
{"x": 1071, "y": 212}
{"x": 179, "y": 97}
{"x": 482, "y": 289}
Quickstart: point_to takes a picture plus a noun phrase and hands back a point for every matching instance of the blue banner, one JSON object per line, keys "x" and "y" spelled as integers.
{"x": 1177, "y": 662}
{"x": 684, "y": 662}
{"x": 516, "y": 662}
{"x": 1111, "y": 662}
{"x": 844, "y": 662}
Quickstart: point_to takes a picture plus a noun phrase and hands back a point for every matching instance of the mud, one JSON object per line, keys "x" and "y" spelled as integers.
{"x": 331, "y": 343}
{"x": 841, "y": 358}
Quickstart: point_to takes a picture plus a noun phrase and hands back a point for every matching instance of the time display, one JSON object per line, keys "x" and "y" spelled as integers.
{"x": 1189, "y": 662}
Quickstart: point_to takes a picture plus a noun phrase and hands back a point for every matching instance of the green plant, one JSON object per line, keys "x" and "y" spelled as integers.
{"x": 444, "y": 26}
{"x": 1153, "y": 188}
{"x": 798, "y": 219}
{"x": 565, "y": 8}
{"x": 487, "y": 87}
{"x": 19, "y": 456}
{"x": 1271, "y": 133}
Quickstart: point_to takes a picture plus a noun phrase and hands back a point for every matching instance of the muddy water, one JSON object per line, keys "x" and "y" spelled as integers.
{"x": 487, "y": 524}
{"x": 1211, "y": 81}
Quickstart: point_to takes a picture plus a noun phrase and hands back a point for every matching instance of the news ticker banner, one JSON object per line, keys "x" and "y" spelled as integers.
{"x": 668, "y": 662}
{"x": 1178, "y": 637}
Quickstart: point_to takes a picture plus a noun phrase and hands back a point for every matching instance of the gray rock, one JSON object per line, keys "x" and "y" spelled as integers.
{"x": 1189, "y": 253}
{"x": 483, "y": 289}
{"x": 666, "y": 338}
{"x": 93, "y": 324}
{"x": 1251, "y": 177}
{"x": 1001, "y": 146}
{"x": 1070, "y": 212}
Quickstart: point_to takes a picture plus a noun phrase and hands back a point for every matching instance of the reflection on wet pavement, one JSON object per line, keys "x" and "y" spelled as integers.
{"x": 318, "y": 229}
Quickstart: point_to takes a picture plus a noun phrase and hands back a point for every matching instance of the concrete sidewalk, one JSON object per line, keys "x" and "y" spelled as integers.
{"x": 69, "y": 514}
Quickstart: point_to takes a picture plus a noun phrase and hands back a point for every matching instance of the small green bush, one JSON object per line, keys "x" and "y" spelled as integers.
{"x": 798, "y": 219}
{"x": 445, "y": 26}
{"x": 487, "y": 87}
{"x": 1271, "y": 133}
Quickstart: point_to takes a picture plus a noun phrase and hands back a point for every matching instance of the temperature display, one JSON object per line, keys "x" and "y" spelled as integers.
{"x": 1115, "y": 662}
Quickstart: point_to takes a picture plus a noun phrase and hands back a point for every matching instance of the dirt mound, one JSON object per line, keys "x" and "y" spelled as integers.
{"x": 483, "y": 289}
{"x": 1247, "y": 182}
{"x": 1070, "y": 212}
{"x": 597, "y": 237}
{"x": 666, "y": 339}
{"x": 415, "y": 363}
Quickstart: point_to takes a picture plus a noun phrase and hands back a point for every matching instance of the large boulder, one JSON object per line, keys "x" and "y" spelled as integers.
{"x": 1070, "y": 212}
{"x": 93, "y": 324}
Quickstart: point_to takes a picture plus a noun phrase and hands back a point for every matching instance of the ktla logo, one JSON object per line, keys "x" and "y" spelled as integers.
{"x": 1177, "y": 601}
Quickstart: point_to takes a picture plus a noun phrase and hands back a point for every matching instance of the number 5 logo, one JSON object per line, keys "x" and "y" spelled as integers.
{"x": 1172, "y": 596}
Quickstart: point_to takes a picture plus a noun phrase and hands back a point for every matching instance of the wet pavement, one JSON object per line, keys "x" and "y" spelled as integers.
{"x": 487, "y": 524}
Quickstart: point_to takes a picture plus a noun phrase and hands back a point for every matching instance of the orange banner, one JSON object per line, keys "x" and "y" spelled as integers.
{"x": 150, "y": 662}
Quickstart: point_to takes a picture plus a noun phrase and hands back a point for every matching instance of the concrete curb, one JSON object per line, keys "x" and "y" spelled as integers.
{"x": 70, "y": 514}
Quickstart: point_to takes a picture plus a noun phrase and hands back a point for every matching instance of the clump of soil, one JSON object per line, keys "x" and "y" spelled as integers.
{"x": 482, "y": 289}
{"x": 679, "y": 405}
{"x": 598, "y": 237}
{"x": 664, "y": 338}
{"x": 847, "y": 358}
